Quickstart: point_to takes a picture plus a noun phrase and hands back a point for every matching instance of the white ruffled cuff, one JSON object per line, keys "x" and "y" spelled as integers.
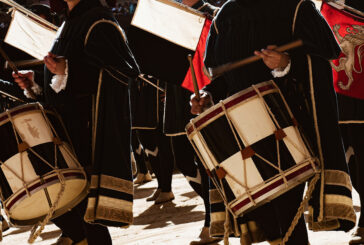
{"x": 59, "y": 82}
{"x": 281, "y": 73}
{"x": 37, "y": 90}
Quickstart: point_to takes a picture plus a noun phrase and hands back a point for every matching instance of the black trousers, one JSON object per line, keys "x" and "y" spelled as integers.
{"x": 139, "y": 153}
{"x": 73, "y": 226}
{"x": 157, "y": 147}
{"x": 353, "y": 137}
{"x": 190, "y": 166}
{"x": 274, "y": 218}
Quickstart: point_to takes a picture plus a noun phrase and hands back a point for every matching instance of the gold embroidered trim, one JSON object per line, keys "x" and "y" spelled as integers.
{"x": 217, "y": 216}
{"x": 351, "y": 122}
{"x": 90, "y": 211}
{"x": 337, "y": 177}
{"x": 94, "y": 182}
{"x": 116, "y": 215}
{"x": 215, "y": 12}
{"x": 176, "y": 134}
{"x": 115, "y": 203}
{"x": 336, "y": 207}
{"x": 250, "y": 233}
{"x": 295, "y": 16}
{"x": 116, "y": 184}
{"x": 95, "y": 119}
{"x": 215, "y": 196}
{"x": 104, "y": 21}
{"x": 215, "y": 26}
{"x": 338, "y": 199}
{"x": 109, "y": 209}
{"x": 217, "y": 228}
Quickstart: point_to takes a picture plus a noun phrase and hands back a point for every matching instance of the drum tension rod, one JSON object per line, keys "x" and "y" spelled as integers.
{"x": 46, "y": 193}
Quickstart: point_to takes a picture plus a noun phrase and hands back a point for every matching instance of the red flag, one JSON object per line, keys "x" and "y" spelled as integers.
{"x": 348, "y": 68}
{"x": 197, "y": 61}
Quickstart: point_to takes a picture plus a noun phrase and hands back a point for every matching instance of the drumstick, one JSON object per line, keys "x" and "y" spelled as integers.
{"x": 218, "y": 71}
{"x": 15, "y": 69}
{"x": 26, "y": 63}
{"x": 194, "y": 80}
{"x": 11, "y": 96}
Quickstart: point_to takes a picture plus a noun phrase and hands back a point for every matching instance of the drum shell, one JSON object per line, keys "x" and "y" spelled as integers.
{"x": 31, "y": 178}
{"x": 240, "y": 141}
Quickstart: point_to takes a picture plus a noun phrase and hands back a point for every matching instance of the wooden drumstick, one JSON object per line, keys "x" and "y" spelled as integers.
{"x": 194, "y": 80}
{"x": 15, "y": 69}
{"x": 218, "y": 71}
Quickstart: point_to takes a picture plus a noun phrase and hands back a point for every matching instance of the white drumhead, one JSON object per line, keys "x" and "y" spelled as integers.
{"x": 204, "y": 151}
{"x": 68, "y": 156}
{"x": 234, "y": 166}
{"x": 252, "y": 121}
{"x": 295, "y": 144}
{"x": 18, "y": 165}
{"x": 33, "y": 128}
{"x": 37, "y": 204}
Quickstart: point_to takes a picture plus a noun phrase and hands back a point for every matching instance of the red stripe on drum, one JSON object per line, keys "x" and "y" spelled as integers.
{"x": 21, "y": 195}
{"x": 228, "y": 104}
{"x": 271, "y": 187}
{"x": 17, "y": 110}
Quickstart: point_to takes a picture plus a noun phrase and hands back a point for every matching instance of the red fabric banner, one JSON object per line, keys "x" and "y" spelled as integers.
{"x": 348, "y": 68}
{"x": 197, "y": 61}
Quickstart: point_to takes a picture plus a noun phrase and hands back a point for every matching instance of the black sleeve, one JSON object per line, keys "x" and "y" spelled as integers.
{"x": 107, "y": 49}
{"x": 317, "y": 36}
{"x": 218, "y": 86}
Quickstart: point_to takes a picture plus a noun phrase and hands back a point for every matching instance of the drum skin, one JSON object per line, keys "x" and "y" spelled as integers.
{"x": 252, "y": 148}
{"x": 36, "y": 160}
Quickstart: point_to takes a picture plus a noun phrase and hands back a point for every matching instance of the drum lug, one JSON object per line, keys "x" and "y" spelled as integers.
{"x": 280, "y": 134}
{"x": 57, "y": 141}
{"x": 247, "y": 152}
{"x": 23, "y": 147}
{"x": 221, "y": 173}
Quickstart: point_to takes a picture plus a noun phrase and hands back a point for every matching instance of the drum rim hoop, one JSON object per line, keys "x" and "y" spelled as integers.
{"x": 233, "y": 100}
{"x": 36, "y": 186}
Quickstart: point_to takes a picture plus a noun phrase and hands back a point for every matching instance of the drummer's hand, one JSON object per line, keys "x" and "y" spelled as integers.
{"x": 273, "y": 59}
{"x": 24, "y": 79}
{"x": 55, "y": 64}
{"x": 199, "y": 105}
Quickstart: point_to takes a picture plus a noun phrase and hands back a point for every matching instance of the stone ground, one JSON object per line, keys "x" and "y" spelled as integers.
{"x": 174, "y": 223}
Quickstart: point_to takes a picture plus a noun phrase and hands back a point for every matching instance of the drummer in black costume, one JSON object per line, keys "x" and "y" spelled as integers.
{"x": 86, "y": 80}
{"x": 176, "y": 116}
{"x": 244, "y": 28}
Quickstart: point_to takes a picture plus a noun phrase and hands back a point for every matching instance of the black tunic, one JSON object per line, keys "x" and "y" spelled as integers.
{"x": 243, "y": 26}
{"x": 100, "y": 66}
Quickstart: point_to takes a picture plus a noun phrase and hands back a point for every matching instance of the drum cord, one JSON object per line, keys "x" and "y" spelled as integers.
{"x": 301, "y": 209}
{"x": 35, "y": 233}
{"x": 313, "y": 182}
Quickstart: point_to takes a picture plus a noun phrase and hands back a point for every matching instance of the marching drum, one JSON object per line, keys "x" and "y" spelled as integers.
{"x": 251, "y": 147}
{"x": 39, "y": 173}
